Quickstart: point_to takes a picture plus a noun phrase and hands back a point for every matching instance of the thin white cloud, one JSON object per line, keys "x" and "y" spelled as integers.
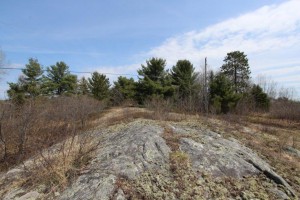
{"x": 268, "y": 28}
{"x": 272, "y": 31}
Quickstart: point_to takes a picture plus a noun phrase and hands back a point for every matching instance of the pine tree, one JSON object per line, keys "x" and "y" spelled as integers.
{"x": 32, "y": 79}
{"x": 261, "y": 99}
{"x": 236, "y": 68}
{"x": 29, "y": 83}
{"x": 156, "y": 82}
{"x": 99, "y": 86}
{"x": 16, "y": 93}
{"x": 184, "y": 77}
{"x": 127, "y": 87}
{"x": 59, "y": 80}
{"x": 222, "y": 95}
{"x": 83, "y": 86}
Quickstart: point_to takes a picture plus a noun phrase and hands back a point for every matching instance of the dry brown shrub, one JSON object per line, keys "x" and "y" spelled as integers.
{"x": 285, "y": 109}
{"x": 160, "y": 107}
{"x": 56, "y": 167}
{"x": 40, "y": 123}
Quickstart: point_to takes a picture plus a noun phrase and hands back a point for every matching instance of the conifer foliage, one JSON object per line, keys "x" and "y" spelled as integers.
{"x": 155, "y": 81}
{"x": 184, "y": 78}
{"x": 222, "y": 95}
{"x": 181, "y": 86}
{"x": 236, "y": 68}
{"x": 59, "y": 80}
{"x": 261, "y": 99}
{"x": 99, "y": 86}
{"x": 83, "y": 86}
{"x": 29, "y": 84}
{"x": 126, "y": 87}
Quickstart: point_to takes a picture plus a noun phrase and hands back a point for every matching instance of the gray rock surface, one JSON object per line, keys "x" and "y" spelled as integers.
{"x": 225, "y": 157}
{"x": 219, "y": 156}
{"x": 126, "y": 153}
{"x": 213, "y": 153}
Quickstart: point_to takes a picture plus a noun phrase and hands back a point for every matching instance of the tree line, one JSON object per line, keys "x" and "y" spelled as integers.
{"x": 223, "y": 90}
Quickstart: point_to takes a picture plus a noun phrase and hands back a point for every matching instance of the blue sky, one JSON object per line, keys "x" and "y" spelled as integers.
{"x": 118, "y": 36}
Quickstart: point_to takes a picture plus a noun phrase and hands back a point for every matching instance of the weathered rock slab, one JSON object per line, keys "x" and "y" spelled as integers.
{"x": 224, "y": 157}
{"x": 125, "y": 153}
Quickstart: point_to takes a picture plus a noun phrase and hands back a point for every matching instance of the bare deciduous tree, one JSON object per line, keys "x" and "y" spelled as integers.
{"x": 268, "y": 85}
{"x": 286, "y": 93}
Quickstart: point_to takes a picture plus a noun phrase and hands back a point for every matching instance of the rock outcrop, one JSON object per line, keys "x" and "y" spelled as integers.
{"x": 224, "y": 157}
{"x": 127, "y": 153}
{"x": 129, "y": 150}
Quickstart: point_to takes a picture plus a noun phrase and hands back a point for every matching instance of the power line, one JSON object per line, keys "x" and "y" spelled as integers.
{"x": 107, "y": 73}
{"x": 11, "y": 68}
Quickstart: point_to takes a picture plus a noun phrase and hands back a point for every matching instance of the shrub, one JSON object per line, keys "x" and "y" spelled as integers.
{"x": 285, "y": 109}
{"x": 160, "y": 107}
{"x": 261, "y": 99}
{"x": 39, "y": 123}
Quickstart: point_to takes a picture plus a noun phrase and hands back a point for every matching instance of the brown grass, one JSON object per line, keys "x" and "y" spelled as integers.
{"x": 171, "y": 138}
{"x": 57, "y": 168}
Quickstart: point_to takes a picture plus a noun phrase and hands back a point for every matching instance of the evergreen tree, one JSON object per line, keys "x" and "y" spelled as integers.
{"x": 156, "y": 82}
{"x": 126, "y": 87}
{"x": 99, "y": 86}
{"x": 59, "y": 80}
{"x": 83, "y": 86}
{"x": 16, "y": 93}
{"x": 32, "y": 77}
{"x": 29, "y": 83}
{"x": 261, "y": 99}
{"x": 222, "y": 95}
{"x": 236, "y": 68}
{"x": 184, "y": 77}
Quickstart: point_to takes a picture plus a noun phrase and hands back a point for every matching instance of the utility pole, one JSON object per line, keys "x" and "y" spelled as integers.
{"x": 205, "y": 87}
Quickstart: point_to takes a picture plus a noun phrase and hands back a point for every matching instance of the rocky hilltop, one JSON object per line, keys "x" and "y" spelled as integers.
{"x": 149, "y": 159}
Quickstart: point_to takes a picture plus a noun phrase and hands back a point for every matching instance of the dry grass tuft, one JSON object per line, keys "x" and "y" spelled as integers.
{"x": 57, "y": 167}
{"x": 171, "y": 138}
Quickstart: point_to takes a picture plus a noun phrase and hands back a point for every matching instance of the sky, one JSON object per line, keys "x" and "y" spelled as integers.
{"x": 117, "y": 36}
